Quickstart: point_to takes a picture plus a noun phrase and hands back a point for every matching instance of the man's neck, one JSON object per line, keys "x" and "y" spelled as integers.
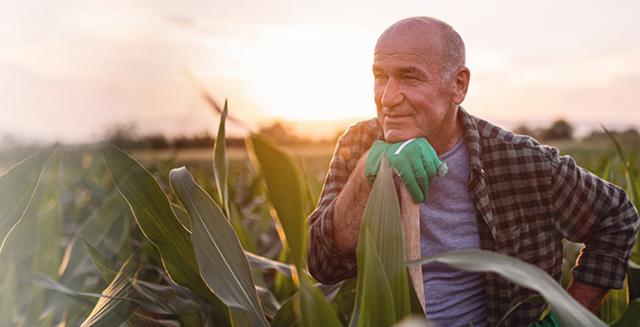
{"x": 450, "y": 134}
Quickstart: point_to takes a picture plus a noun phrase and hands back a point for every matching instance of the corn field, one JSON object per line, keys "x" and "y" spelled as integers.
{"x": 90, "y": 237}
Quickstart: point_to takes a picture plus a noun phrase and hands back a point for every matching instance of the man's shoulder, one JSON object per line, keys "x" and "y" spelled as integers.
{"x": 363, "y": 127}
{"x": 497, "y": 141}
{"x": 355, "y": 141}
{"x": 361, "y": 134}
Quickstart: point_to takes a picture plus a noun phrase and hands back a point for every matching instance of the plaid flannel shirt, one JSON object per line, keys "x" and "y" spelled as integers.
{"x": 527, "y": 199}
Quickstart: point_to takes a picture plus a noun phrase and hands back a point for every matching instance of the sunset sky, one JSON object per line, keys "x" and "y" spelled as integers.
{"x": 69, "y": 69}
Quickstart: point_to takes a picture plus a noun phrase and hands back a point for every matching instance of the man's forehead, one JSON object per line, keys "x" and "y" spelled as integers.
{"x": 412, "y": 61}
{"x": 407, "y": 52}
{"x": 410, "y": 37}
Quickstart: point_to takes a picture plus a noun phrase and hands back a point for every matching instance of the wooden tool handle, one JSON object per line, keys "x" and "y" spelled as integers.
{"x": 411, "y": 230}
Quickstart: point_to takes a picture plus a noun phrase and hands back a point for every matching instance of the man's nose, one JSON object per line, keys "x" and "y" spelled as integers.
{"x": 392, "y": 94}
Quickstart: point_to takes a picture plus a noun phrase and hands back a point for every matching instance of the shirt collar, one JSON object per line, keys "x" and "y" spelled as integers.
{"x": 472, "y": 137}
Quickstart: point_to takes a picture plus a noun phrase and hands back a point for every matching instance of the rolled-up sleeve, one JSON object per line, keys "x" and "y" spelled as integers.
{"x": 597, "y": 213}
{"x": 327, "y": 263}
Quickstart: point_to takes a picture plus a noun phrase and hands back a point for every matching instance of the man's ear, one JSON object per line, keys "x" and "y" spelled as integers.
{"x": 460, "y": 84}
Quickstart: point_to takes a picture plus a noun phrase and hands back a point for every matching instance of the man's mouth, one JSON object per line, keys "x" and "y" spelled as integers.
{"x": 395, "y": 119}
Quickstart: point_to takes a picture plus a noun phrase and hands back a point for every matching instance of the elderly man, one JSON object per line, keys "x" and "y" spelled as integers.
{"x": 503, "y": 192}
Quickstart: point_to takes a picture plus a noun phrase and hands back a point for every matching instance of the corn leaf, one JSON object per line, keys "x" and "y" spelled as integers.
{"x": 183, "y": 216}
{"x": 87, "y": 298}
{"x": 40, "y": 229}
{"x": 615, "y": 304}
{"x": 289, "y": 195}
{"x": 314, "y": 308}
{"x": 341, "y": 296}
{"x": 344, "y": 300}
{"x": 101, "y": 263}
{"x": 221, "y": 164}
{"x": 166, "y": 299}
{"x": 9, "y": 305}
{"x": 110, "y": 310}
{"x": 160, "y": 226}
{"x": 374, "y": 301}
{"x": 531, "y": 299}
{"x": 256, "y": 261}
{"x": 631, "y": 318}
{"x": 285, "y": 317}
{"x": 382, "y": 293}
{"x": 634, "y": 280}
{"x": 633, "y": 185}
{"x": 110, "y": 220}
{"x": 314, "y": 187}
{"x": 129, "y": 299}
{"x": 263, "y": 263}
{"x": 414, "y": 321}
{"x": 568, "y": 311}
{"x": 284, "y": 286}
{"x": 17, "y": 187}
{"x": 142, "y": 318}
{"x": 270, "y": 304}
{"x": 90, "y": 298}
{"x": 220, "y": 257}
{"x": 286, "y": 191}
{"x": 247, "y": 239}
{"x": 629, "y": 172}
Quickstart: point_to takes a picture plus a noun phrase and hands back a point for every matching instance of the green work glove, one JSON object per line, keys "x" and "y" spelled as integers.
{"x": 415, "y": 160}
{"x": 549, "y": 321}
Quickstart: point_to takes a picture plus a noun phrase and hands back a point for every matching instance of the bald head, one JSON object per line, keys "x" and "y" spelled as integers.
{"x": 427, "y": 35}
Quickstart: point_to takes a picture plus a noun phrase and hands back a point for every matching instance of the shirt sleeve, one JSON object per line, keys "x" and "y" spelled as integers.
{"x": 593, "y": 211}
{"x": 327, "y": 263}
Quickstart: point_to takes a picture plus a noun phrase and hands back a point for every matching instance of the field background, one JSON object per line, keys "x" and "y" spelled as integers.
{"x": 44, "y": 262}
{"x": 315, "y": 158}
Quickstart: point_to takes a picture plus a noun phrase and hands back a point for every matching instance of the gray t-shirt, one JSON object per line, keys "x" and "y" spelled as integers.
{"x": 448, "y": 222}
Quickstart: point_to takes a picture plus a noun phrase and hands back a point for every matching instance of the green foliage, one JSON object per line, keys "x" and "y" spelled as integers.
{"x": 631, "y": 318}
{"x": 100, "y": 261}
{"x": 221, "y": 164}
{"x": 568, "y": 311}
{"x": 17, "y": 187}
{"x": 211, "y": 261}
{"x": 615, "y": 304}
{"x": 287, "y": 193}
{"x": 155, "y": 218}
{"x": 220, "y": 257}
{"x": 110, "y": 310}
{"x": 634, "y": 280}
{"x": 315, "y": 310}
{"x": 633, "y": 187}
{"x": 266, "y": 263}
{"x": 382, "y": 294}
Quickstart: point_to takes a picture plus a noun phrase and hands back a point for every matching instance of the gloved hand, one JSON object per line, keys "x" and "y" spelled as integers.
{"x": 415, "y": 160}
{"x": 549, "y": 321}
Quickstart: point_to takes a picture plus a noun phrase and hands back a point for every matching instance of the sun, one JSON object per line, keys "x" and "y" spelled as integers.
{"x": 311, "y": 73}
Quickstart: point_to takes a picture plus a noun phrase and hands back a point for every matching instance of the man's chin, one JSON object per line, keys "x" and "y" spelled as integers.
{"x": 395, "y": 136}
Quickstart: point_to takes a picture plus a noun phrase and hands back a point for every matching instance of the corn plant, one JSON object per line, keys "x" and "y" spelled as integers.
{"x": 142, "y": 251}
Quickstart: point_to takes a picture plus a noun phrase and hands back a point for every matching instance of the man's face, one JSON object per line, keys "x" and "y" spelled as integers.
{"x": 412, "y": 98}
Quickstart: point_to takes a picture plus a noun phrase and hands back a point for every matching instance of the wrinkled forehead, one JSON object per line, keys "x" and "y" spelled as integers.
{"x": 414, "y": 37}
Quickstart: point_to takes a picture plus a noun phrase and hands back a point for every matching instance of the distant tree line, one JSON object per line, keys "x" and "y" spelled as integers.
{"x": 126, "y": 136}
{"x": 558, "y": 130}
{"x": 561, "y": 129}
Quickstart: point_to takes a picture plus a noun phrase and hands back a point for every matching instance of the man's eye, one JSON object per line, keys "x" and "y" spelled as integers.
{"x": 380, "y": 77}
{"x": 410, "y": 77}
